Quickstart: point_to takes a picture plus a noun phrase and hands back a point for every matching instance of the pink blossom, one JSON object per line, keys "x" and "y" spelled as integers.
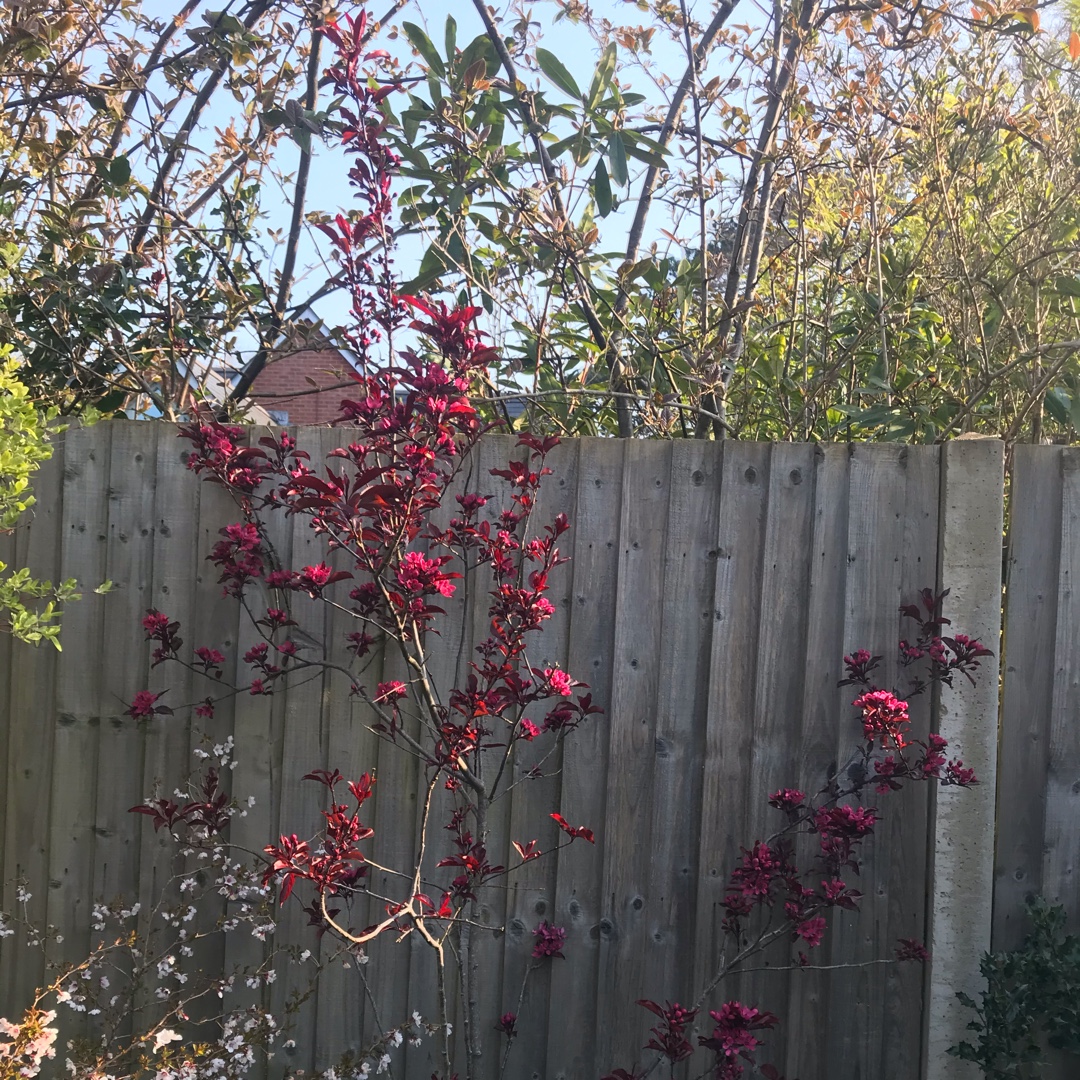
{"x": 549, "y": 941}
{"x": 884, "y": 715}
{"x": 386, "y": 693}
{"x": 559, "y": 682}
{"x": 811, "y": 930}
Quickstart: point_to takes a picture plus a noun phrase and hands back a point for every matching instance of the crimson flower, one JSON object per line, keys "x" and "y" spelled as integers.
{"x": 886, "y": 771}
{"x": 507, "y": 1024}
{"x": 787, "y": 799}
{"x": 549, "y": 941}
{"x": 911, "y": 949}
{"x": 732, "y": 1038}
{"x": 811, "y": 930}
{"x": 559, "y": 682}
{"x": 154, "y": 622}
{"x": 884, "y": 715}
{"x": 313, "y": 579}
{"x": 387, "y": 693}
{"x": 142, "y": 706}
{"x": 210, "y": 658}
{"x": 837, "y": 892}
{"x": 760, "y": 866}
{"x": 956, "y": 773}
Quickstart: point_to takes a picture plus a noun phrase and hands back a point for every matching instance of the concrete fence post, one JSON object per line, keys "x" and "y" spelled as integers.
{"x": 962, "y": 847}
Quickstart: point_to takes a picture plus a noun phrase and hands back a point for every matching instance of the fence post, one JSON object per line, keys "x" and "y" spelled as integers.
{"x": 962, "y": 846}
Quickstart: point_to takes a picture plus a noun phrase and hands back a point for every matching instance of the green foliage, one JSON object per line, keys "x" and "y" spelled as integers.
{"x": 1031, "y": 1001}
{"x": 909, "y": 272}
{"x": 132, "y": 239}
{"x": 23, "y": 446}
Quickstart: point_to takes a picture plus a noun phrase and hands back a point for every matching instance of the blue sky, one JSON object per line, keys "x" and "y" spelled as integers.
{"x": 328, "y": 191}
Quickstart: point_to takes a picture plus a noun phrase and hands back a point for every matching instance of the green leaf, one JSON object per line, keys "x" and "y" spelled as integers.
{"x": 583, "y": 145}
{"x": 555, "y": 150}
{"x": 642, "y": 149}
{"x": 602, "y": 189}
{"x": 479, "y": 47}
{"x": 498, "y": 125}
{"x": 432, "y": 266}
{"x": 422, "y": 44}
{"x": 1059, "y": 405}
{"x": 451, "y": 37}
{"x": 605, "y": 69}
{"x": 617, "y": 159}
{"x": 1068, "y": 286}
{"x": 120, "y": 171}
{"x": 552, "y": 67}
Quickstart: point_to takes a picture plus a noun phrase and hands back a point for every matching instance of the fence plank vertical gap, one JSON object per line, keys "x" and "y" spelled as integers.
{"x": 1028, "y": 653}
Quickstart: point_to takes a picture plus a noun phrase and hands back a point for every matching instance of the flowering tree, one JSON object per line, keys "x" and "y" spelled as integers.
{"x": 373, "y": 506}
{"x": 770, "y": 899}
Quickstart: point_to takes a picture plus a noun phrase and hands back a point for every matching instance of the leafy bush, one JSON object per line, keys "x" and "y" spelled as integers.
{"x": 1031, "y": 1000}
{"x": 24, "y": 444}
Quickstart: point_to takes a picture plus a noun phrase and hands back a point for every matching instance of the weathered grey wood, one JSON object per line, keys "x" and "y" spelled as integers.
{"x": 778, "y": 695}
{"x": 299, "y": 802}
{"x": 447, "y": 664}
{"x": 352, "y": 748}
{"x": 1031, "y": 615}
{"x": 907, "y": 813}
{"x": 823, "y": 702}
{"x": 732, "y": 678}
{"x": 595, "y": 513}
{"x": 31, "y": 705}
{"x": 175, "y": 570}
{"x": 686, "y": 614}
{"x": 81, "y": 695}
{"x": 1061, "y": 858}
{"x": 214, "y": 625}
{"x": 875, "y": 544}
{"x": 531, "y": 888}
{"x": 487, "y": 946}
{"x": 629, "y": 890}
{"x": 129, "y": 564}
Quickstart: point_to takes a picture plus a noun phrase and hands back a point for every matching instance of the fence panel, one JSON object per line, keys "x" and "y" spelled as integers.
{"x": 713, "y": 593}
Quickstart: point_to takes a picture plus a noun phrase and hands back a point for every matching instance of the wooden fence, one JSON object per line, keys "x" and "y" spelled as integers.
{"x": 713, "y": 592}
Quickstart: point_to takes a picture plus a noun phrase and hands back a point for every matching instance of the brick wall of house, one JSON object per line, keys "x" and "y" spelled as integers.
{"x": 290, "y": 374}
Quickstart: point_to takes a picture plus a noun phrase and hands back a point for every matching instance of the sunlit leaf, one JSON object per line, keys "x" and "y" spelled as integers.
{"x": 605, "y": 69}
{"x": 422, "y": 44}
{"x": 553, "y": 68}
